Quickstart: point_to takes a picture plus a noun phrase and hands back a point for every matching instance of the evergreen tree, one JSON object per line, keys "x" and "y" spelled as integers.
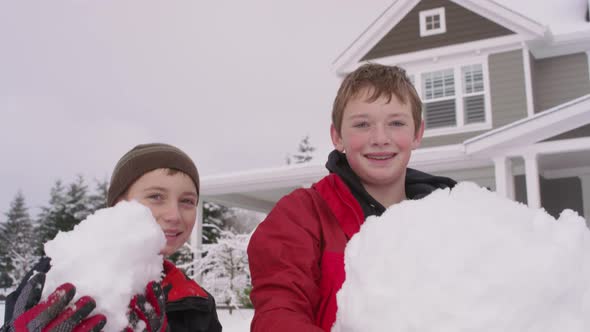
{"x": 98, "y": 200}
{"x": 304, "y": 152}
{"x": 183, "y": 259}
{"x": 51, "y": 216}
{"x": 6, "y": 283}
{"x": 214, "y": 218}
{"x": 67, "y": 207}
{"x": 5, "y": 261}
{"x": 17, "y": 233}
{"x": 77, "y": 204}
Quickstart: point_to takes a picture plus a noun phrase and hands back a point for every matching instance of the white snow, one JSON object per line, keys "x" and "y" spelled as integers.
{"x": 111, "y": 255}
{"x": 237, "y": 321}
{"x": 467, "y": 260}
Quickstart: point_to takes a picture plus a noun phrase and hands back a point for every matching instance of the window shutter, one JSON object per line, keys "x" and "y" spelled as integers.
{"x": 474, "y": 109}
{"x": 440, "y": 114}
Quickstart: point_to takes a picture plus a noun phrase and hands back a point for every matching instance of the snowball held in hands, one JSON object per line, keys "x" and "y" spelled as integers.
{"x": 110, "y": 256}
{"x": 467, "y": 260}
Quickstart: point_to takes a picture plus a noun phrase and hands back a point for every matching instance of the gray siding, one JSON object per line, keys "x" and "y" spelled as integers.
{"x": 462, "y": 26}
{"x": 508, "y": 97}
{"x": 559, "y": 79}
{"x": 507, "y": 87}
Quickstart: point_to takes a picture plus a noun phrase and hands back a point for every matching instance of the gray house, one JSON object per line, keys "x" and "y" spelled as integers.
{"x": 506, "y": 91}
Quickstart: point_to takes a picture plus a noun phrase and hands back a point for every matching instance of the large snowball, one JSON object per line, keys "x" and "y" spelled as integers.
{"x": 467, "y": 260}
{"x": 111, "y": 255}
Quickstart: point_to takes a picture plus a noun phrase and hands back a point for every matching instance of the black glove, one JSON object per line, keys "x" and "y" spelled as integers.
{"x": 51, "y": 315}
{"x": 148, "y": 308}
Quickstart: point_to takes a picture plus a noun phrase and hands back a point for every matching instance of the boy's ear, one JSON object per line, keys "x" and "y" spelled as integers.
{"x": 336, "y": 138}
{"x": 418, "y": 137}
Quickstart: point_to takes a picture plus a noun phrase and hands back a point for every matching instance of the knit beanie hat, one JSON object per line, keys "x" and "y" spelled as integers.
{"x": 145, "y": 158}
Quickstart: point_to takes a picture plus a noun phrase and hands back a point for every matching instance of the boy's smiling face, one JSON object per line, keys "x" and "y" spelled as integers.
{"x": 172, "y": 198}
{"x": 378, "y": 138}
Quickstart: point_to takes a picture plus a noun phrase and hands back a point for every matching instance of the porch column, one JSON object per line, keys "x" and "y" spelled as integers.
{"x": 533, "y": 185}
{"x": 504, "y": 177}
{"x": 196, "y": 238}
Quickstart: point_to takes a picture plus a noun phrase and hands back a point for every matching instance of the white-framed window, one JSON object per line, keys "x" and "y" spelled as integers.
{"x": 473, "y": 94}
{"x": 455, "y": 97}
{"x": 432, "y": 22}
{"x": 438, "y": 95}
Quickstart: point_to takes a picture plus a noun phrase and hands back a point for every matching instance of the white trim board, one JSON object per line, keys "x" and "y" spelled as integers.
{"x": 262, "y": 179}
{"x": 528, "y": 81}
{"x": 551, "y": 147}
{"x": 543, "y": 125}
{"x": 424, "y": 14}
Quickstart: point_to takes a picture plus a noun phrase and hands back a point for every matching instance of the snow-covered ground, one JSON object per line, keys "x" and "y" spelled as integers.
{"x": 238, "y": 321}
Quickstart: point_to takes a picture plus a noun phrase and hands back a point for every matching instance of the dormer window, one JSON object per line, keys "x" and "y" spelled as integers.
{"x": 432, "y": 22}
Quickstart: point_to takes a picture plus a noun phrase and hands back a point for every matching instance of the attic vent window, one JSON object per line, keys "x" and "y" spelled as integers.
{"x": 432, "y": 22}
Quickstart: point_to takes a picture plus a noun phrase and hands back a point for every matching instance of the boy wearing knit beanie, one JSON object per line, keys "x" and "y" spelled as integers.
{"x": 164, "y": 179}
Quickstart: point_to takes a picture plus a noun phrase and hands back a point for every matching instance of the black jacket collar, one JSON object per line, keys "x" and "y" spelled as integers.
{"x": 418, "y": 184}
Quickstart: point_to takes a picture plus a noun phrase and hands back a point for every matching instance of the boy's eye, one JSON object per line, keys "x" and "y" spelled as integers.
{"x": 362, "y": 124}
{"x": 189, "y": 201}
{"x": 156, "y": 197}
{"x": 397, "y": 123}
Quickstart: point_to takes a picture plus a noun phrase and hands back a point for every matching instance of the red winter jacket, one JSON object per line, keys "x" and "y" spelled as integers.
{"x": 297, "y": 254}
{"x": 297, "y": 257}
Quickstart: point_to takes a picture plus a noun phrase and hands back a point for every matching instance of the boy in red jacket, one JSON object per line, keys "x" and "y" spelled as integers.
{"x": 297, "y": 253}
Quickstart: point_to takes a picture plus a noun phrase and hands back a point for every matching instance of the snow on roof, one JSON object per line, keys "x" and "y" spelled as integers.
{"x": 561, "y": 17}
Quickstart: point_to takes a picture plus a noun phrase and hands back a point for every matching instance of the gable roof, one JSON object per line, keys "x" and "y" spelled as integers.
{"x": 530, "y": 20}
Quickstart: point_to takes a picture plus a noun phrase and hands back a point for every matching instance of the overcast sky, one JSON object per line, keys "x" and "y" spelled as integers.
{"x": 236, "y": 84}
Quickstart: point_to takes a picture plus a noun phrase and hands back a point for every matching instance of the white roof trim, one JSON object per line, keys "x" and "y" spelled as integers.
{"x": 373, "y": 34}
{"x": 561, "y": 44}
{"x": 262, "y": 179}
{"x": 504, "y": 16}
{"x": 543, "y": 125}
{"x": 393, "y": 14}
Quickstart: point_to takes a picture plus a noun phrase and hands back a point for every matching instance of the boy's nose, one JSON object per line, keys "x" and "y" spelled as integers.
{"x": 380, "y": 136}
{"x": 171, "y": 213}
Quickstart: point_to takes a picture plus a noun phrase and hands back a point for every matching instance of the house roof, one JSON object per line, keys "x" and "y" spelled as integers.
{"x": 541, "y": 20}
{"x": 555, "y": 23}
